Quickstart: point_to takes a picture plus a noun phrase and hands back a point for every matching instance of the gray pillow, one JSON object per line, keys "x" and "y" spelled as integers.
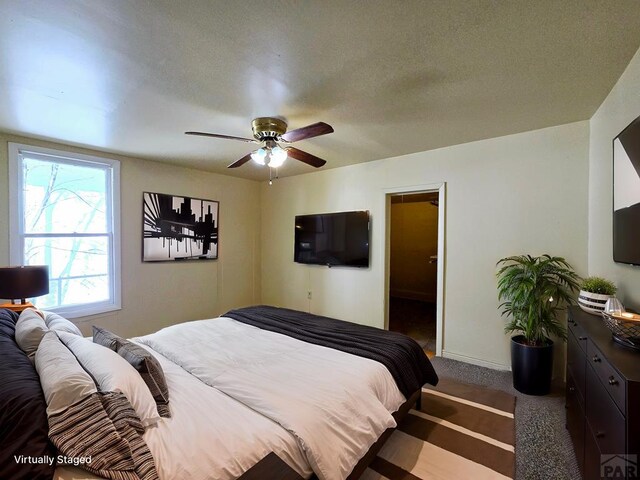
{"x": 150, "y": 371}
{"x": 112, "y": 373}
{"x": 106, "y": 338}
{"x": 64, "y": 381}
{"x": 30, "y": 328}
{"x": 60, "y": 324}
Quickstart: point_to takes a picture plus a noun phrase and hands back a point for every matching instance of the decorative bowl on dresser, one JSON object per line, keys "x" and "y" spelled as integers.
{"x": 592, "y": 303}
{"x": 603, "y": 399}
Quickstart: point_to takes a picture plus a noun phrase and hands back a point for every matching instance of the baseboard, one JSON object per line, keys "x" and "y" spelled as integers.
{"x": 476, "y": 361}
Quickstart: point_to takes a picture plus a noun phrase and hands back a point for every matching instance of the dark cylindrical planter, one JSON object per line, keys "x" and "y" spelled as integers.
{"x": 531, "y": 366}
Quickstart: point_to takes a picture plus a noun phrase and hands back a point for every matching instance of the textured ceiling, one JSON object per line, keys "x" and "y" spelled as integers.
{"x": 391, "y": 77}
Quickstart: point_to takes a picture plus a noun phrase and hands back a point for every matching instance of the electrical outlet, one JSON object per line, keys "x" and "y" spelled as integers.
{"x": 308, "y": 294}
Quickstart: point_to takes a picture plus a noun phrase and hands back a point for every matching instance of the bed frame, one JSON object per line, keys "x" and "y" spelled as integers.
{"x": 273, "y": 466}
{"x": 265, "y": 466}
{"x": 361, "y": 466}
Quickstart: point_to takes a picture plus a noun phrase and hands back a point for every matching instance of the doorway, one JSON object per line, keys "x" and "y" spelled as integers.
{"x": 413, "y": 267}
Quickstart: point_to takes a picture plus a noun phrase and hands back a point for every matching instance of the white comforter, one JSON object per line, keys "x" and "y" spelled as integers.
{"x": 335, "y": 404}
{"x": 210, "y": 436}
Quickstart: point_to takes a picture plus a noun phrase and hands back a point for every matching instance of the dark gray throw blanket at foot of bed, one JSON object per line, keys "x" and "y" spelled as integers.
{"x": 402, "y": 356}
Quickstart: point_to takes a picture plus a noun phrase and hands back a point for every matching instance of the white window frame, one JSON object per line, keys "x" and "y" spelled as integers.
{"x": 16, "y": 222}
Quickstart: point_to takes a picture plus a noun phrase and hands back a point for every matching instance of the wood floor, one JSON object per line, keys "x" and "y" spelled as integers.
{"x": 416, "y": 319}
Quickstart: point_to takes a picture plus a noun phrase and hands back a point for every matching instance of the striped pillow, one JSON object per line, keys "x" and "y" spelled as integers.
{"x": 85, "y": 430}
{"x": 150, "y": 371}
{"x": 131, "y": 429}
{"x": 104, "y": 427}
{"x": 87, "y": 424}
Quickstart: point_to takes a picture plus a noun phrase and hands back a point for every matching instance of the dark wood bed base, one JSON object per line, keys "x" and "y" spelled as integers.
{"x": 273, "y": 468}
{"x": 361, "y": 466}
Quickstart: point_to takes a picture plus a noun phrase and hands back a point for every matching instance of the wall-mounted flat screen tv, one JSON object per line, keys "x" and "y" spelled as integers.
{"x": 626, "y": 195}
{"x": 333, "y": 239}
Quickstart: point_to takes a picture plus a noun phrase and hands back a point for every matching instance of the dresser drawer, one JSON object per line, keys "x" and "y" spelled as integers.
{"x": 579, "y": 334}
{"x": 576, "y": 363}
{"x": 575, "y": 419}
{"x": 592, "y": 457}
{"x": 603, "y": 416}
{"x": 611, "y": 380}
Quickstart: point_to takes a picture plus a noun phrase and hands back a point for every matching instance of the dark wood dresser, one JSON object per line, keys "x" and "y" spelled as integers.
{"x": 603, "y": 397}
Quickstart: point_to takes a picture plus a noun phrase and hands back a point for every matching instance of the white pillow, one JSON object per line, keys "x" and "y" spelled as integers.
{"x": 60, "y": 324}
{"x": 64, "y": 382}
{"x": 30, "y": 328}
{"x": 112, "y": 373}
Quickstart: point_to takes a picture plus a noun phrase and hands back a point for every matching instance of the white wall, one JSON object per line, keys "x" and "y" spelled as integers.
{"x": 621, "y": 106}
{"x": 155, "y": 295}
{"x": 524, "y": 193}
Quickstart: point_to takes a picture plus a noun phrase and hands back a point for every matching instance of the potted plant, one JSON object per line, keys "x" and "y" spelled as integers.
{"x": 533, "y": 291}
{"x": 594, "y": 293}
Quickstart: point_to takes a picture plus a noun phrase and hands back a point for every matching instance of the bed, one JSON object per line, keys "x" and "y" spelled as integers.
{"x": 261, "y": 380}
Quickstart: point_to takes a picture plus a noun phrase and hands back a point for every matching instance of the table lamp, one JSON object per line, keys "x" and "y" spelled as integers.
{"x": 22, "y": 283}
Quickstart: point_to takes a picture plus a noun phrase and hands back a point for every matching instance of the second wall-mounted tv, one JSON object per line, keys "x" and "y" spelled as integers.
{"x": 626, "y": 195}
{"x": 333, "y": 239}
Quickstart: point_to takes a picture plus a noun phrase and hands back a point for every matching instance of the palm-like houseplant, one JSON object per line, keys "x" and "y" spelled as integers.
{"x": 533, "y": 291}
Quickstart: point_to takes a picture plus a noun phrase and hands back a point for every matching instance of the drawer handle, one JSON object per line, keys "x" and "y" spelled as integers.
{"x": 572, "y": 389}
{"x": 596, "y": 358}
{"x": 600, "y": 435}
{"x": 612, "y": 380}
{"x": 582, "y": 338}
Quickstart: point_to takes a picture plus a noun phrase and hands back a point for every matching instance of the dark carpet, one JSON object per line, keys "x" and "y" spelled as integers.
{"x": 543, "y": 446}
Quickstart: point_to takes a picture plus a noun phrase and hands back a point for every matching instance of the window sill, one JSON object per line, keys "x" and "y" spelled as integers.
{"x": 84, "y": 310}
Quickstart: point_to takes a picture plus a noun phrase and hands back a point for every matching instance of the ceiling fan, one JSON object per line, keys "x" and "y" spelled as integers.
{"x": 270, "y": 131}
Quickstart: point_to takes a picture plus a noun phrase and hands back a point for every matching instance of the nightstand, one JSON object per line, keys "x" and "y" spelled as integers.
{"x": 271, "y": 467}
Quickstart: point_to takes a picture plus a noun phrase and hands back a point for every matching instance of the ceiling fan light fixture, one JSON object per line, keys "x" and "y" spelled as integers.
{"x": 269, "y": 131}
{"x": 278, "y": 156}
{"x": 259, "y": 156}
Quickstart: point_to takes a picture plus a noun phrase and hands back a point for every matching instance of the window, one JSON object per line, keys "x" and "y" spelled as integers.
{"x": 65, "y": 214}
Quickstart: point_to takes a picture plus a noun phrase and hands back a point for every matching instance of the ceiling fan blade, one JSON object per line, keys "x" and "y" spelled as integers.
{"x": 217, "y": 135}
{"x": 309, "y": 131}
{"x": 242, "y": 161}
{"x": 305, "y": 157}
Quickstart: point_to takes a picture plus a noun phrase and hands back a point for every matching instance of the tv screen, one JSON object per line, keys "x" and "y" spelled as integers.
{"x": 626, "y": 195}
{"x": 333, "y": 239}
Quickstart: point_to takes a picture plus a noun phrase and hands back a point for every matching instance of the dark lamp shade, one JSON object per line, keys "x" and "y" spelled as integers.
{"x": 24, "y": 282}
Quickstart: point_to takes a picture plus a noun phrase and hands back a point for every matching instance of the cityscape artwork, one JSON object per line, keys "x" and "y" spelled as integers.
{"x": 179, "y": 228}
